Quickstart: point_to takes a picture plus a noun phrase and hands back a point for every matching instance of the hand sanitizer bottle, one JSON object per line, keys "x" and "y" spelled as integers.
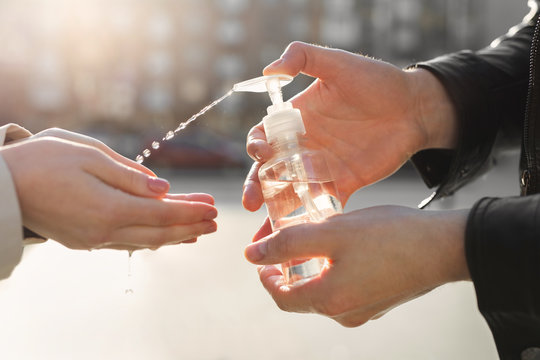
{"x": 296, "y": 182}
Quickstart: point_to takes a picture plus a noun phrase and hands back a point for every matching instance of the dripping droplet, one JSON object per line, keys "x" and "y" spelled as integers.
{"x": 139, "y": 159}
{"x": 129, "y": 287}
{"x": 169, "y": 135}
{"x": 146, "y": 153}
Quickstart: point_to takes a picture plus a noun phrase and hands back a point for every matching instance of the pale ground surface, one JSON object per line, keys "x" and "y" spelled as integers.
{"x": 204, "y": 301}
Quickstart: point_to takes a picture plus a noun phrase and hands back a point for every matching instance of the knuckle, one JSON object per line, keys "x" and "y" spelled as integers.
{"x": 256, "y": 132}
{"x": 296, "y": 46}
{"x": 251, "y": 148}
{"x": 279, "y": 246}
{"x": 332, "y": 306}
{"x": 52, "y": 132}
{"x": 283, "y": 307}
{"x": 132, "y": 179}
{"x": 350, "y": 322}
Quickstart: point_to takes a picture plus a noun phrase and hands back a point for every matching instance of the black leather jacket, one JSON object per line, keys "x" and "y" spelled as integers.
{"x": 496, "y": 93}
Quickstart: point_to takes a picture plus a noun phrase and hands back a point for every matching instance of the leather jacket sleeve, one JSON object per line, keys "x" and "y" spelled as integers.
{"x": 488, "y": 89}
{"x": 503, "y": 254}
{"x": 502, "y": 241}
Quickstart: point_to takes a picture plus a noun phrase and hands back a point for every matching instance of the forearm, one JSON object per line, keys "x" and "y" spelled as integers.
{"x": 488, "y": 90}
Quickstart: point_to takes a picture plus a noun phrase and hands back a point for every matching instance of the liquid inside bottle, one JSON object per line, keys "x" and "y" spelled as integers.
{"x": 298, "y": 188}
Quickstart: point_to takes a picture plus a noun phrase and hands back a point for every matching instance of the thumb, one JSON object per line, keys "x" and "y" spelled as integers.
{"x": 312, "y": 60}
{"x": 300, "y": 241}
{"x": 126, "y": 178}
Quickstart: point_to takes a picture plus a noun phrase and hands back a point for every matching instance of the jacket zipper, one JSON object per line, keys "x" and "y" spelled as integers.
{"x": 529, "y": 175}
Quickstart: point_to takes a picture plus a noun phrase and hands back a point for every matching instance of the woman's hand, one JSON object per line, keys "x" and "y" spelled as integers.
{"x": 379, "y": 258}
{"x": 83, "y": 195}
{"x": 368, "y": 116}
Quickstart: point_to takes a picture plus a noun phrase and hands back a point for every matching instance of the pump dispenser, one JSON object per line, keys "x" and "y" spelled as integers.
{"x": 296, "y": 182}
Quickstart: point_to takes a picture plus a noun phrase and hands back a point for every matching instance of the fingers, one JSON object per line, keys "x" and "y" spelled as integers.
{"x": 316, "y": 296}
{"x": 257, "y": 147}
{"x": 290, "y": 298}
{"x": 300, "y": 241}
{"x": 90, "y": 141}
{"x": 252, "y": 198}
{"x": 142, "y": 237}
{"x": 259, "y": 150}
{"x": 198, "y": 197}
{"x": 264, "y": 230}
{"x": 125, "y": 178}
{"x": 166, "y": 212}
{"x": 308, "y": 59}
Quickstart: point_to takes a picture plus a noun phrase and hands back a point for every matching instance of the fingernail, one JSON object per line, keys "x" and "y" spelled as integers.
{"x": 258, "y": 156}
{"x": 210, "y": 215}
{"x": 158, "y": 185}
{"x": 211, "y": 228}
{"x": 256, "y": 251}
{"x": 273, "y": 64}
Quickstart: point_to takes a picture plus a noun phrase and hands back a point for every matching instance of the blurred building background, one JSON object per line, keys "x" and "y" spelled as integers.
{"x": 127, "y": 71}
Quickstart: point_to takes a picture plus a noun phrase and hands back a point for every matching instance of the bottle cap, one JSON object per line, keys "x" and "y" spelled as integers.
{"x": 283, "y": 122}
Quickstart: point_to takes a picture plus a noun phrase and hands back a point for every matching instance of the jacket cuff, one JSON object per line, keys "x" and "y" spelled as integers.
{"x": 485, "y": 97}
{"x": 502, "y": 246}
{"x": 464, "y": 77}
{"x": 9, "y": 133}
{"x": 11, "y": 240}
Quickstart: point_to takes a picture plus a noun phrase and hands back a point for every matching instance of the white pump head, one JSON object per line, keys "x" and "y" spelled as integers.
{"x": 282, "y": 119}
{"x": 259, "y": 84}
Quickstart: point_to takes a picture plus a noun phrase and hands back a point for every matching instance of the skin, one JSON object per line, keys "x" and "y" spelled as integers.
{"x": 369, "y": 117}
{"x": 77, "y": 191}
{"x": 380, "y": 257}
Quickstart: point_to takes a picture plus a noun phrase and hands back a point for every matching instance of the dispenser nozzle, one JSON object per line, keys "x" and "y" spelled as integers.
{"x": 270, "y": 83}
{"x": 273, "y": 86}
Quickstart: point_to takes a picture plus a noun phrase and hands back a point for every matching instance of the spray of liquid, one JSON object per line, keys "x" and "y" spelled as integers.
{"x": 171, "y": 134}
{"x": 253, "y": 85}
{"x": 147, "y": 152}
{"x": 271, "y": 83}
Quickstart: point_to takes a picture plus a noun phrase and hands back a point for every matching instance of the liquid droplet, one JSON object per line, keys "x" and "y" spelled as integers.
{"x": 129, "y": 288}
{"x": 169, "y": 135}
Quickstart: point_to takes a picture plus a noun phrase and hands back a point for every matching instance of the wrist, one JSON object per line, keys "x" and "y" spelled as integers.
{"x": 449, "y": 259}
{"x": 435, "y": 111}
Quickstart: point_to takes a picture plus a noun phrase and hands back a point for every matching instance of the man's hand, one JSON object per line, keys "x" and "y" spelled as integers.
{"x": 379, "y": 258}
{"x": 369, "y": 117}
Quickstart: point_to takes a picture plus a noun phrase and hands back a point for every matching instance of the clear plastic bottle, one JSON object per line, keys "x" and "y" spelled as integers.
{"x": 296, "y": 182}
